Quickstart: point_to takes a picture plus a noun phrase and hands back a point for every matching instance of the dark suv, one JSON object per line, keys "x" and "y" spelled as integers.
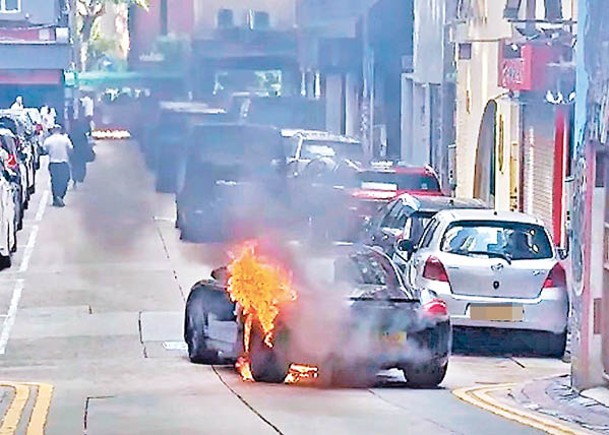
{"x": 231, "y": 180}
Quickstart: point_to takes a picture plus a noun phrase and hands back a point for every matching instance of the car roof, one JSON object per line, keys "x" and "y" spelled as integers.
{"x": 489, "y": 215}
{"x": 397, "y": 167}
{"x": 434, "y": 204}
{"x": 318, "y": 135}
{"x": 189, "y": 107}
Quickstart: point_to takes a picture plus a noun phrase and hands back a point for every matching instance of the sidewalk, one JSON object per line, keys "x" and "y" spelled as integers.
{"x": 548, "y": 404}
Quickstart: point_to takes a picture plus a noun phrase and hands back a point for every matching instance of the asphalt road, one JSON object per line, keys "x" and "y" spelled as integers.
{"x": 91, "y": 317}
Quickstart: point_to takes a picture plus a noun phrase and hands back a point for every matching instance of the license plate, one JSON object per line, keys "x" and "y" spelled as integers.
{"x": 393, "y": 339}
{"x": 497, "y": 313}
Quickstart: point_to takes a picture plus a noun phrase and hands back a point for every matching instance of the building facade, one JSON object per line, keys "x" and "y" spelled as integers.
{"x": 36, "y": 50}
{"x": 515, "y": 105}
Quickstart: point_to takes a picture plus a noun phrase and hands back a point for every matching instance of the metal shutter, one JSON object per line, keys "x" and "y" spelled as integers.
{"x": 538, "y": 174}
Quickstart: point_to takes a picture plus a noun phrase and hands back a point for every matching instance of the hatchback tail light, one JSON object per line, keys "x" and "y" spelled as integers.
{"x": 434, "y": 270}
{"x": 556, "y": 278}
{"x": 436, "y": 307}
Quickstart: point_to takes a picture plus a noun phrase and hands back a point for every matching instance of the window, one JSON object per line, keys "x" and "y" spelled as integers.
{"x": 10, "y": 5}
{"x": 428, "y": 234}
{"x": 515, "y": 240}
{"x": 415, "y": 226}
{"x": 402, "y": 181}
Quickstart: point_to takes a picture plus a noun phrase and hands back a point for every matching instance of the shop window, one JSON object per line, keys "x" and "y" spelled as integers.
{"x": 465, "y": 51}
{"x": 512, "y": 9}
{"x": 10, "y": 6}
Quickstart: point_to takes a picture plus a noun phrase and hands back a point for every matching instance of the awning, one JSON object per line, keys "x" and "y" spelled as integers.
{"x": 96, "y": 79}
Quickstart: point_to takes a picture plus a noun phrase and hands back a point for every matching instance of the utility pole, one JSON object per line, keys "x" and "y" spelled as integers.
{"x": 367, "y": 110}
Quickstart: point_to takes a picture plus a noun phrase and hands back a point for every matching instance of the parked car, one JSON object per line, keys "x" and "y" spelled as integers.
{"x": 303, "y": 146}
{"x": 27, "y": 145}
{"x": 231, "y": 178}
{"x": 494, "y": 270}
{"x": 8, "y": 215}
{"x": 401, "y": 328}
{"x": 18, "y": 173}
{"x": 341, "y": 196}
{"x": 406, "y": 217}
{"x": 173, "y": 128}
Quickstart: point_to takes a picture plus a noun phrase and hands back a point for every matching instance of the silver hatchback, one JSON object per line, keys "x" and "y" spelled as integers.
{"x": 494, "y": 270}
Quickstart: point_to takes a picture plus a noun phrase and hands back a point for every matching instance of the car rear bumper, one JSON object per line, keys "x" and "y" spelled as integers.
{"x": 546, "y": 312}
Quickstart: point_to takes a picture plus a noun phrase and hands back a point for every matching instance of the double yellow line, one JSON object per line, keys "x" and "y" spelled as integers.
{"x": 21, "y": 394}
{"x": 481, "y": 397}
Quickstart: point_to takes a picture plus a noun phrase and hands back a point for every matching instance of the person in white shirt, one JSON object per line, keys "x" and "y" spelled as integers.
{"x": 88, "y": 107}
{"x": 59, "y": 148}
{"x": 18, "y": 104}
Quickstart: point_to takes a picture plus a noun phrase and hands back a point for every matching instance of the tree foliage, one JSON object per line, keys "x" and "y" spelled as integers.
{"x": 88, "y": 13}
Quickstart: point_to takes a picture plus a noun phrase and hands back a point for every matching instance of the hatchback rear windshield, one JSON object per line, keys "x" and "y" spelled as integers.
{"x": 313, "y": 149}
{"x": 400, "y": 181}
{"x": 513, "y": 240}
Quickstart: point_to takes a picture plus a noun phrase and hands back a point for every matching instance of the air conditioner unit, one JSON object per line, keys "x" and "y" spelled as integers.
{"x": 225, "y": 19}
{"x": 258, "y": 20}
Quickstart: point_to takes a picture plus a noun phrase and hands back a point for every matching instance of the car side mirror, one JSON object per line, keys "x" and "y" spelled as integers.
{"x": 220, "y": 274}
{"x": 563, "y": 254}
{"x": 406, "y": 247}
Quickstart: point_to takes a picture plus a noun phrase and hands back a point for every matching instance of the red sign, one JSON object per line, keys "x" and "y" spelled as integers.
{"x": 512, "y": 75}
{"x": 529, "y": 71}
{"x": 28, "y": 34}
{"x": 30, "y": 77}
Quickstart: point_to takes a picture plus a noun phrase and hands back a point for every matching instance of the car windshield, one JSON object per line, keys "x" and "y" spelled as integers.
{"x": 415, "y": 225}
{"x": 399, "y": 181}
{"x": 314, "y": 149}
{"x": 512, "y": 240}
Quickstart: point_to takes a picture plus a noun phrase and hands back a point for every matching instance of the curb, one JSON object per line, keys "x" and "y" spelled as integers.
{"x": 480, "y": 397}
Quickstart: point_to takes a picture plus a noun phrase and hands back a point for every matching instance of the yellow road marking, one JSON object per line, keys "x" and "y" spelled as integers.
{"x": 481, "y": 398}
{"x": 40, "y": 411}
{"x": 13, "y": 414}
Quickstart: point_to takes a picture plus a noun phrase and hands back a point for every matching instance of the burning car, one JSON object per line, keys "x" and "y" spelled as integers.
{"x": 346, "y": 312}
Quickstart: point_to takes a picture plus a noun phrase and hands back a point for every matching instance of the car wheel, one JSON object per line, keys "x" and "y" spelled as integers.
{"x": 195, "y": 322}
{"x": 267, "y": 363}
{"x": 426, "y": 375}
{"x": 550, "y": 344}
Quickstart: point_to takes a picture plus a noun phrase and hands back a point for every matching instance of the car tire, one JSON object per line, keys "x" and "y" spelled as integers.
{"x": 266, "y": 363}
{"x": 195, "y": 322}
{"x": 550, "y": 345}
{"x": 428, "y": 375}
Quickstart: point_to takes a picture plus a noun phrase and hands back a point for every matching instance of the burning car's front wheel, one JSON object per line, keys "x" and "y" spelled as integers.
{"x": 195, "y": 322}
{"x": 268, "y": 364}
{"x": 427, "y": 375}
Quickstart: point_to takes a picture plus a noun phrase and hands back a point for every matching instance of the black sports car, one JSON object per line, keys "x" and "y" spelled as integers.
{"x": 353, "y": 317}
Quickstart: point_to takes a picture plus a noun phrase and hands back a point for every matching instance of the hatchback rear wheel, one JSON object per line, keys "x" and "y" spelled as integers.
{"x": 427, "y": 375}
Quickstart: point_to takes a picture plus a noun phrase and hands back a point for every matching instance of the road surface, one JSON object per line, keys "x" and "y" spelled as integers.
{"x": 91, "y": 339}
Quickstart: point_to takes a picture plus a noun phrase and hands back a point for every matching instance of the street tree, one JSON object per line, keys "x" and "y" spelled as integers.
{"x": 89, "y": 11}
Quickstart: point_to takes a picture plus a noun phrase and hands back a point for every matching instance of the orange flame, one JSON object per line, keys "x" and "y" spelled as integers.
{"x": 301, "y": 372}
{"x": 259, "y": 288}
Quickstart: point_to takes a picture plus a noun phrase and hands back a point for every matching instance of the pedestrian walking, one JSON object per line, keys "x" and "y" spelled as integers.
{"x": 88, "y": 107}
{"x": 59, "y": 148}
{"x": 82, "y": 151}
